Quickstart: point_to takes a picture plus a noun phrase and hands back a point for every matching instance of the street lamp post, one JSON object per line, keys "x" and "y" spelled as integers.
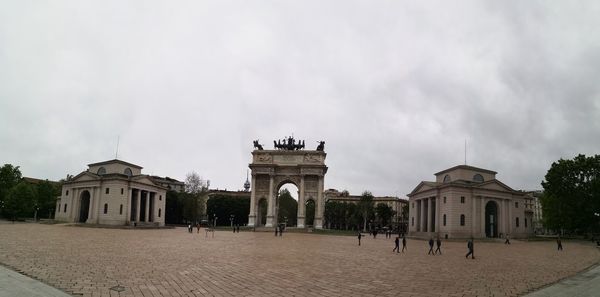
{"x": 231, "y": 217}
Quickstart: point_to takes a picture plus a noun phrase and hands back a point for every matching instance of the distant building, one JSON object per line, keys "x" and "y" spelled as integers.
{"x": 112, "y": 193}
{"x": 36, "y": 181}
{"x": 536, "y": 206}
{"x": 169, "y": 183}
{"x": 466, "y": 201}
{"x": 394, "y": 202}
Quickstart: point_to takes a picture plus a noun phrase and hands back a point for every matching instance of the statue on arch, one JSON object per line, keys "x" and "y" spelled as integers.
{"x": 321, "y": 146}
{"x": 258, "y": 145}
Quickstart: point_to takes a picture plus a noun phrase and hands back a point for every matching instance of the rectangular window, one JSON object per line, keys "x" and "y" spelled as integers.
{"x": 67, "y": 194}
{"x": 462, "y": 199}
{"x": 444, "y": 199}
{"x": 107, "y": 190}
{"x": 121, "y": 191}
{"x": 65, "y": 209}
{"x": 516, "y": 204}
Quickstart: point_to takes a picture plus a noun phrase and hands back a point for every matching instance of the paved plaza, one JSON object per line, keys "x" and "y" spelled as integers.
{"x": 172, "y": 262}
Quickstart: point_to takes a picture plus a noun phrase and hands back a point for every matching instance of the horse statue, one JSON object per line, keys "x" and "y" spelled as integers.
{"x": 258, "y": 145}
{"x": 321, "y": 146}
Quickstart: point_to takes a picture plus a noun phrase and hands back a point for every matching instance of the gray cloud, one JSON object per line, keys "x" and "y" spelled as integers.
{"x": 393, "y": 88}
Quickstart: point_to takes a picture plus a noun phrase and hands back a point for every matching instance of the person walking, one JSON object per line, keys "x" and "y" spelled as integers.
{"x": 430, "y": 246}
{"x": 397, "y": 243}
{"x": 280, "y": 230}
{"x": 559, "y": 243}
{"x": 276, "y": 229}
{"x": 403, "y": 243}
{"x": 359, "y": 237}
{"x": 198, "y": 228}
{"x": 438, "y": 243}
{"x": 507, "y": 241}
{"x": 471, "y": 249}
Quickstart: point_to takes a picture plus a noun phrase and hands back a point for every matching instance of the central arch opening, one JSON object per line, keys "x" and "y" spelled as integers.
{"x": 287, "y": 204}
{"x": 84, "y": 207}
{"x": 491, "y": 219}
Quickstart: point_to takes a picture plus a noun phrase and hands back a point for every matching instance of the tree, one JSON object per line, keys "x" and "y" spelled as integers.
{"x": 288, "y": 208}
{"x": 194, "y": 199}
{"x": 46, "y": 197}
{"x": 20, "y": 201}
{"x": 384, "y": 213}
{"x": 224, "y": 206}
{"x": 174, "y": 205}
{"x": 10, "y": 176}
{"x": 365, "y": 207}
{"x": 571, "y": 199}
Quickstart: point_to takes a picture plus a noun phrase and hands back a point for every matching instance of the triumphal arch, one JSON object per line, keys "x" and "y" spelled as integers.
{"x": 287, "y": 162}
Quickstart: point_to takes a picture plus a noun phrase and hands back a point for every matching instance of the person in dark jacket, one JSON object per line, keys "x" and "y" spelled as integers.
{"x": 471, "y": 248}
{"x": 431, "y": 246}
{"x": 397, "y": 243}
{"x": 438, "y": 243}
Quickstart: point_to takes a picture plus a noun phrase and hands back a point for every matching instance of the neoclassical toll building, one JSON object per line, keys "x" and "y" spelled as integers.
{"x": 112, "y": 193}
{"x": 466, "y": 201}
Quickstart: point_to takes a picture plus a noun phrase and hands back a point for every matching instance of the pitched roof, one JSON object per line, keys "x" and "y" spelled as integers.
{"x": 115, "y": 161}
{"x": 468, "y": 168}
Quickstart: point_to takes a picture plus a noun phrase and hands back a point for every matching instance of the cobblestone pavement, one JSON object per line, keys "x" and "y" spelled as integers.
{"x": 172, "y": 262}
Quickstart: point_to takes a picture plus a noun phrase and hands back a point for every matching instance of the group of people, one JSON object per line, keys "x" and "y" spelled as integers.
{"x": 191, "y": 227}
{"x": 438, "y": 243}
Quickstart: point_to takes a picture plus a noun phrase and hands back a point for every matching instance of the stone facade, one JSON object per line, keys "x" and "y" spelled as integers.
{"x": 271, "y": 169}
{"x": 112, "y": 193}
{"x": 467, "y": 201}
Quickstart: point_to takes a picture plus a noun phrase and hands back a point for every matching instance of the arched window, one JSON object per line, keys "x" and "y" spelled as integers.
{"x": 444, "y": 220}
{"x": 517, "y": 222}
{"x": 128, "y": 171}
{"x": 65, "y": 209}
{"x": 121, "y": 209}
{"x": 101, "y": 171}
{"x": 160, "y": 197}
{"x": 447, "y": 178}
{"x": 67, "y": 193}
{"x": 478, "y": 178}
{"x": 462, "y": 219}
{"x": 159, "y": 212}
{"x": 105, "y": 207}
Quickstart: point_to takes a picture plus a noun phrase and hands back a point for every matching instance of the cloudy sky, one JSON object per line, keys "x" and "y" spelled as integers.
{"x": 393, "y": 87}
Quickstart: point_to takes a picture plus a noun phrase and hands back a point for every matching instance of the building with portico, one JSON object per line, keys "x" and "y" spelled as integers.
{"x": 466, "y": 201}
{"x": 113, "y": 192}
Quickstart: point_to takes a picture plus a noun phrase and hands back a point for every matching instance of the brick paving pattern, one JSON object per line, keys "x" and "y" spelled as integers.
{"x": 172, "y": 262}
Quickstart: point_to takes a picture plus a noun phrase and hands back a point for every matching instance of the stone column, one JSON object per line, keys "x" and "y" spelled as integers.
{"x": 147, "y": 210}
{"x": 91, "y": 214}
{"x": 423, "y": 215}
{"x": 431, "y": 215}
{"x": 253, "y": 203}
{"x": 71, "y": 205}
{"x": 320, "y": 204}
{"x": 301, "y": 204}
{"x": 271, "y": 206}
{"x": 418, "y": 215}
{"x": 437, "y": 214}
{"x": 138, "y": 205}
{"x": 474, "y": 216}
{"x": 128, "y": 207}
{"x": 482, "y": 216}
